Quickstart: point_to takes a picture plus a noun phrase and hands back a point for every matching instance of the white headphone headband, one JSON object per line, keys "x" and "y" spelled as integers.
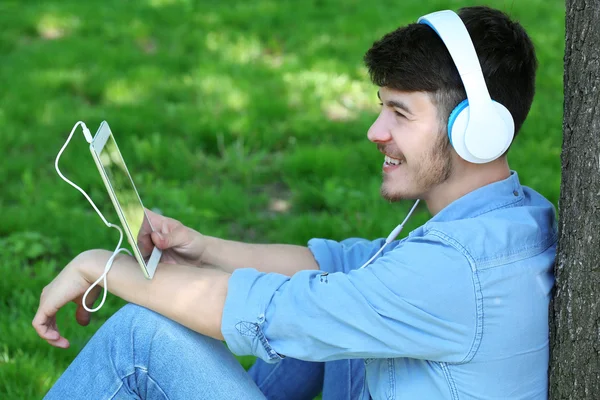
{"x": 482, "y": 129}
{"x": 455, "y": 36}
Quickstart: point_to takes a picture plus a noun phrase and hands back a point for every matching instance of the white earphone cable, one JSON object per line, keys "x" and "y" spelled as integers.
{"x": 118, "y": 249}
{"x": 392, "y": 235}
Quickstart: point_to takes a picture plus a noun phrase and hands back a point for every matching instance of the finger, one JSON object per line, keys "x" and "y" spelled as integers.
{"x": 156, "y": 220}
{"x": 145, "y": 244}
{"x": 176, "y": 238}
{"x": 161, "y": 223}
{"x": 83, "y": 316}
{"x": 61, "y": 342}
{"x": 47, "y": 333}
{"x": 45, "y": 326}
{"x": 160, "y": 240}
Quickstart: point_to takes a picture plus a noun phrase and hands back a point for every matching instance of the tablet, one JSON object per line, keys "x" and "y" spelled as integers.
{"x": 125, "y": 199}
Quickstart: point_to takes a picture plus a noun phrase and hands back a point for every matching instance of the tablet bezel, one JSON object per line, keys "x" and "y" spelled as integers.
{"x": 96, "y": 146}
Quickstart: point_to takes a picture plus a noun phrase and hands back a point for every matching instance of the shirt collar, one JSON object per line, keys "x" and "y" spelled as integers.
{"x": 487, "y": 198}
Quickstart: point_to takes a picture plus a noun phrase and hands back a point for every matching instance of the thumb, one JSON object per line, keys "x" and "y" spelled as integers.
{"x": 161, "y": 240}
{"x": 175, "y": 238}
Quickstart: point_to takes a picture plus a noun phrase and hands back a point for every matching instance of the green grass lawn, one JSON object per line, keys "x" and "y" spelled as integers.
{"x": 243, "y": 119}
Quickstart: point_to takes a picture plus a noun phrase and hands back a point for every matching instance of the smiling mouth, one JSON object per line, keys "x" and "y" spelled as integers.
{"x": 393, "y": 161}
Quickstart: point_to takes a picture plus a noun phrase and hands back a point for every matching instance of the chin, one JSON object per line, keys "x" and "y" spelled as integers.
{"x": 397, "y": 194}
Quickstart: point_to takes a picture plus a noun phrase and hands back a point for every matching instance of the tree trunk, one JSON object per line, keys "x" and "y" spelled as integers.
{"x": 575, "y": 310}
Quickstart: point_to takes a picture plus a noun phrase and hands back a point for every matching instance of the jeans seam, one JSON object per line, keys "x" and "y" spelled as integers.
{"x": 121, "y": 385}
{"x": 364, "y": 388}
{"x": 154, "y": 381}
{"x": 451, "y": 384}
{"x": 349, "y": 376}
{"x": 136, "y": 367}
{"x": 392, "y": 378}
{"x": 264, "y": 381}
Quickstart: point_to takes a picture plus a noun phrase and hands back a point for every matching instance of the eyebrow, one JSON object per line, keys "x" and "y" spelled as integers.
{"x": 396, "y": 104}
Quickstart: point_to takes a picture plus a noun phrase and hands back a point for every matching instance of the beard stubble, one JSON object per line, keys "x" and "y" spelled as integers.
{"x": 433, "y": 169}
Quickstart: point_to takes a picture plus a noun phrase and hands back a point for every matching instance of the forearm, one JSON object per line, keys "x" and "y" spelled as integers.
{"x": 281, "y": 258}
{"x": 194, "y": 297}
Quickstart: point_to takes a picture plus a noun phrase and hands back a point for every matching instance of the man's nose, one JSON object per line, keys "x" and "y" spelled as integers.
{"x": 379, "y": 132}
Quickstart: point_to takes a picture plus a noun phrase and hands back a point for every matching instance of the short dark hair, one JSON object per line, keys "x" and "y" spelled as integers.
{"x": 414, "y": 58}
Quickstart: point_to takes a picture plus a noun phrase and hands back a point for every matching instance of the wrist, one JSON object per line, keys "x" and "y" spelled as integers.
{"x": 209, "y": 251}
{"x": 91, "y": 263}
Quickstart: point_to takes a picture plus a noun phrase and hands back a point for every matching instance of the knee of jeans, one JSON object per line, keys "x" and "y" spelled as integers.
{"x": 138, "y": 319}
{"x": 130, "y": 312}
{"x": 145, "y": 329}
{"x": 136, "y": 326}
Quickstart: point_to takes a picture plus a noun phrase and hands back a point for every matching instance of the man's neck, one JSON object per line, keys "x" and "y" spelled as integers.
{"x": 465, "y": 178}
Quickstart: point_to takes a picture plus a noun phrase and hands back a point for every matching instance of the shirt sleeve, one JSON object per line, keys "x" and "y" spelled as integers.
{"x": 344, "y": 256}
{"x": 416, "y": 301}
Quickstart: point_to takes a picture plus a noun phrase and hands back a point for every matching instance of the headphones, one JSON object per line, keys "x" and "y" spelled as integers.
{"x": 479, "y": 128}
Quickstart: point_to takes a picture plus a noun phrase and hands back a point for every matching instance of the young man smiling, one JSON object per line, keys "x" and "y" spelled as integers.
{"x": 456, "y": 310}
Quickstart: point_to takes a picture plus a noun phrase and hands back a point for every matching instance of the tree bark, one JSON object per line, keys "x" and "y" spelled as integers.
{"x": 575, "y": 310}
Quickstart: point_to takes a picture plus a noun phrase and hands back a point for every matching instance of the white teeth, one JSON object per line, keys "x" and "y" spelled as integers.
{"x": 392, "y": 161}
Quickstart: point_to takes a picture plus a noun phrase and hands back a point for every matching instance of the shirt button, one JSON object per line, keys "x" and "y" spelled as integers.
{"x": 516, "y": 193}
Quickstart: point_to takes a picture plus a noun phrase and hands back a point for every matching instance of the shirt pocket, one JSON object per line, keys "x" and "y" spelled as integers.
{"x": 381, "y": 377}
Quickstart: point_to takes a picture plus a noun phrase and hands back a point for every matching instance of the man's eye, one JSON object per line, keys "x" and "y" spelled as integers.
{"x": 398, "y": 113}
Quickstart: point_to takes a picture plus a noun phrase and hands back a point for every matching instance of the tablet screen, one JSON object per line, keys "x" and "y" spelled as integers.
{"x": 127, "y": 196}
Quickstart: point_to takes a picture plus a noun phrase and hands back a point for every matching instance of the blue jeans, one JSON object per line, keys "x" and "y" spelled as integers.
{"x": 140, "y": 354}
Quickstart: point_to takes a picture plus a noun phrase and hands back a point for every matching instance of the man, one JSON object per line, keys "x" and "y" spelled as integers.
{"x": 457, "y": 310}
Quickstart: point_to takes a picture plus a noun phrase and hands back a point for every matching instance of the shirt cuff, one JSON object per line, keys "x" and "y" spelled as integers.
{"x": 248, "y": 296}
{"x": 323, "y": 253}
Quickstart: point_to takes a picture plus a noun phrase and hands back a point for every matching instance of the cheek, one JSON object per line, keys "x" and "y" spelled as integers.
{"x": 402, "y": 138}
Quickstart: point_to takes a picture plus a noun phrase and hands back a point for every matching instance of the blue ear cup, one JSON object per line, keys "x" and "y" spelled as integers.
{"x": 495, "y": 127}
{"x": 454, "y": 114}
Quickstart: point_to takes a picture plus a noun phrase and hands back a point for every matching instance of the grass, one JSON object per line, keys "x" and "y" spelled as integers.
{"x": 245, "y": 120}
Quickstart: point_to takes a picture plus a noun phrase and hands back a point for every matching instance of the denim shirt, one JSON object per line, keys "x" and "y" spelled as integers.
{"x": 456, "y": 310}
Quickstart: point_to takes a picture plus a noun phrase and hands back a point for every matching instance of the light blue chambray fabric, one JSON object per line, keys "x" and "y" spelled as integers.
{"x": 456, "y": 310}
